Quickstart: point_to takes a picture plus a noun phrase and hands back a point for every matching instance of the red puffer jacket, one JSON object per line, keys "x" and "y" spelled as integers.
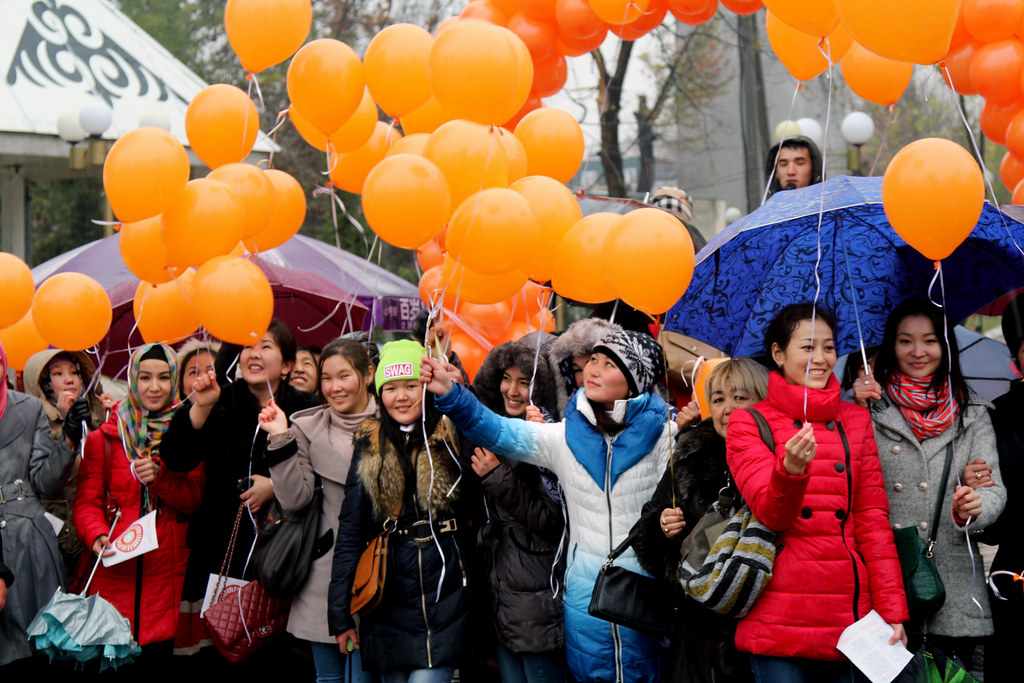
{"x": 836, "y": 559}
{"x": 146, "y": 590}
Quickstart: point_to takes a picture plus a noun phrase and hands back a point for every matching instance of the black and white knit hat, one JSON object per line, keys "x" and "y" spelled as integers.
{"x": 638, "y": 355}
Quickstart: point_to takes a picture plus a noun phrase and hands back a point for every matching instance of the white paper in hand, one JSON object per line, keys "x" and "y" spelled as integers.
{"x": 866, "y": 644}
{"x": 230, "y": 587}
{"x": 139, "y": 538}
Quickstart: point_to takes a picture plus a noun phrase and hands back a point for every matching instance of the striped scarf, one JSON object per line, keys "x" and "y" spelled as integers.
{"x": 928, "y": 413}
{"x": 142, "y": 429}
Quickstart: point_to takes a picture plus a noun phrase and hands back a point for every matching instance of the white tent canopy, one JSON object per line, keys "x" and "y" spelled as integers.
{"x": 56, "y": 55}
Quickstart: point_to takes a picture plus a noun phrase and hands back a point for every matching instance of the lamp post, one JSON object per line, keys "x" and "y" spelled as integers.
{"x": 95, "y": 118}
{"x": 71, "y": 132}
{"x": 857, "y": 128}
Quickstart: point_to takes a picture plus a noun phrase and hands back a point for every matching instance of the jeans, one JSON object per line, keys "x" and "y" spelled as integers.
{"x": 334, "y": 667}
{"x": 796, "y": 670}
{"x": 440, "y": 675}
{"x": 543, "y": 667}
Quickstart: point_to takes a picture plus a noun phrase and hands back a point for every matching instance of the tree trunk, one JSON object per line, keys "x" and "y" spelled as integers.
{"x": 610, "y": 98}
{"x": 645, "y": 140}
{"x": 753, "y": 110}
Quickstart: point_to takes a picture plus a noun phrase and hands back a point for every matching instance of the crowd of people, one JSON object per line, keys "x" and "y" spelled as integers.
{"x": 502, "y": 498}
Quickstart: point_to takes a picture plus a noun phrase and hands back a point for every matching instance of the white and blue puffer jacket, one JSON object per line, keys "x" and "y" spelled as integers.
{"x": 605, "y": 482}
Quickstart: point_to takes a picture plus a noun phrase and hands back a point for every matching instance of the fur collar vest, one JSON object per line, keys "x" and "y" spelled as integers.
{"x": 645, "y": 418}
{"x": 383, "y": 479}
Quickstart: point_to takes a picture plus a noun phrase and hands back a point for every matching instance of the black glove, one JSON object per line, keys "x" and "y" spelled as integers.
{"x": 77, "y": 414}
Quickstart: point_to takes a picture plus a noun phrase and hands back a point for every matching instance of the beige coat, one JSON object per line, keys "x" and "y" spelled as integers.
{"x": 319, "y": 441}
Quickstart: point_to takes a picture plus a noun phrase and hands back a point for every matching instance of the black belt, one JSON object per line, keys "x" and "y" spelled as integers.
{"x": 414, "y": 532}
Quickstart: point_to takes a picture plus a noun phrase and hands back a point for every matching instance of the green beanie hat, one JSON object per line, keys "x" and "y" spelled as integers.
{"x": 398, "y": 360}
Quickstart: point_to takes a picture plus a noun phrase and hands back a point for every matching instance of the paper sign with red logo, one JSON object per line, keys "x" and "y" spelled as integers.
{"x": 139, "y": 538}
{"x": 228, "y": 588}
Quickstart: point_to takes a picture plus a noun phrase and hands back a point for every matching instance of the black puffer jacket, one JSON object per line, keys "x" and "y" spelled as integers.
{"x": 522, "y": 536}
{"x": 701, "y": 648}
{"x": 412, "y": 628}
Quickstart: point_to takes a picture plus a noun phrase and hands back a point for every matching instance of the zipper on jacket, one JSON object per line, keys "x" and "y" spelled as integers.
{"x": 616, "y": 637}
{"x": 842, "y": 524}
{"x": 138, "y": 580}
{"x": 462, "y": 567}
{"x": 423, "y": 604}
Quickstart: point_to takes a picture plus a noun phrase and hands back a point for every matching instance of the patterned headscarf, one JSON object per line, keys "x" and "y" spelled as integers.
{"x": 142, "y": 429}
{"x": 3, "y": 380}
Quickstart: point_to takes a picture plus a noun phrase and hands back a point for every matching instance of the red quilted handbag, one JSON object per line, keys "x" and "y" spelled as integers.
{"x": 245, "y": 620}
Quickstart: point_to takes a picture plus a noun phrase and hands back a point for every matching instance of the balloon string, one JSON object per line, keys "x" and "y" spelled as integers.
{"x": 853, "y": 296}
{"x": 885, "y": 139}
{"x": 785, "y": 136}
{"x": 1002, "y": 572}
{"x": 98, "y": 222}
{"x": 282, "y": 116}
{"x": 254, "y": 82}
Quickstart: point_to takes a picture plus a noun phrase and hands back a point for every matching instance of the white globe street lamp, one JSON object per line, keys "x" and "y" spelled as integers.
{"x": 857, "y": 129}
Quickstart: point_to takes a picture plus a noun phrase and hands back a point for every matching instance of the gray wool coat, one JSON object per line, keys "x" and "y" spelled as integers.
{"x": 32, "y": 465}
{"x": 912, "y": 472}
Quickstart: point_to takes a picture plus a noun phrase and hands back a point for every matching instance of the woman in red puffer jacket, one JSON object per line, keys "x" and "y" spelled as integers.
{"x": 146, "y": 590}
{"x": 822, "y": 492}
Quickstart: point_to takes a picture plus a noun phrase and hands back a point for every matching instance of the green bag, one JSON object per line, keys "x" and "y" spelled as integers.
{"x": 931, "y": 665}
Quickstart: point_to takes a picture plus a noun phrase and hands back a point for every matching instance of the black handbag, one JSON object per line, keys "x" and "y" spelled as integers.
{"x": 921, "y": 581}
{"x": 630, "y": 599}
{"x": 287, "y": 544}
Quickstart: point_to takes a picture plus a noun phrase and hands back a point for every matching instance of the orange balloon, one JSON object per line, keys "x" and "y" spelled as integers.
{"x": 881, "y": 26}
{"x": 1011, "y": 171}
{"x": 539, "y": 9}
{"x": 619, "y": 12}
{"x": 577, "y": 274}
{"x": 71, "y": 311}
{"x": 995, "y": 119}
{"x": 799, "y": 52}
{"x": 989, "y": 21}
{"x": 816, "y": 17}
{"x": 426, "y": 118}
{"x": 430, "y": 286}
{"x": 493, "y": 231}
{"x": 164, "y": 313}
{"x": 549, "y": 75}
{"x": 233, "y": 300}
{"x": 254, "y": 189}
{"x": 571, "y": 46}
{"x": 470, "y": 352}
{"x": 491, "y": 321}
{"x": 485, "y": 10}
{"x": 557, "y": 210}
{"x": 553, "y": 142}
{"x": 960, "y": 33}
{"x": 395, "y": 66}
{"x": 206, "y": 221}
{"x": 996, "y": 70}
{"x": 354, "y": 133}
{"x": 349, "y": 171}
{"x": 875, "y": 78}
{"x": 410, "y": 144}
{"x": 470, "y": 156}
{"x": 476, "y": 73}
{"x": 221, "y": 124}
{"x": 266, "y": 32}
{"x": 21, "y": 341}
{"x": 700, "y": 389}
{"x": 515, "y": 154}
{"x": 705, "y": 10}
{"x": 528, "y": 303}
{"x": 406, "y": 200}
{"x": 1018, "y": 194}
{"x": 145, "y": 172}
{"x": 575, "y": 19}
{"x": 648, "y": 21}
{"x": 958, "y": 63}
{"x": 533, "y": 102}
{"x": 288, "y": 214}
{"x": 18, "y": 289}
{"x": 538, "y": 35}
{"x": 933, "y": 194}
{"x": 1015, "y": 135}
{"x": 306, "y": 129}
{"x": 325, "y": 81}
{"x": 142, "y": 250}
{"x": 648, "y": 259}
{"x": 743, "y": 7}
{"x": 462, "y": 284}
{"x": 429, "y": 255}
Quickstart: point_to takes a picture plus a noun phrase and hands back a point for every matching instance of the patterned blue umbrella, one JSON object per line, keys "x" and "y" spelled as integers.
{"x": 767, "y": 260}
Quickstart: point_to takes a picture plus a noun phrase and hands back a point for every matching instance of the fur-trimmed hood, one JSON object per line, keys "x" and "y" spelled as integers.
{"x": 384, "y": 479}
{"x": 579, "y": 339}
{"x": 487, "y": 382}
{"x": 699, "y": 463}
{"x": 34, "y": 385}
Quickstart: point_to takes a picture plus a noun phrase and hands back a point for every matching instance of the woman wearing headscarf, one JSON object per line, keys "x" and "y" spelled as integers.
{"x": 122, "y": 470}
{"x": 31, "y": 465}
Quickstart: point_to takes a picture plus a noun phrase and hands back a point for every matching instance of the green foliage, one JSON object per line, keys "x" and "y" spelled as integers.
{"x": 60, "y": 213}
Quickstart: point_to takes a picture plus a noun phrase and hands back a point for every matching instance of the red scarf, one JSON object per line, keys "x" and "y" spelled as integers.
{"x": 927, "y": 412}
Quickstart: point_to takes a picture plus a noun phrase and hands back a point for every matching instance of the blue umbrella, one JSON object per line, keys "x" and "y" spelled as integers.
{"x": 768, "y": 259}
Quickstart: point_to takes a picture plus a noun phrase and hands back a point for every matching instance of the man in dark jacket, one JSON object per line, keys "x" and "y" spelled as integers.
{"x": 797, "y": 164}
